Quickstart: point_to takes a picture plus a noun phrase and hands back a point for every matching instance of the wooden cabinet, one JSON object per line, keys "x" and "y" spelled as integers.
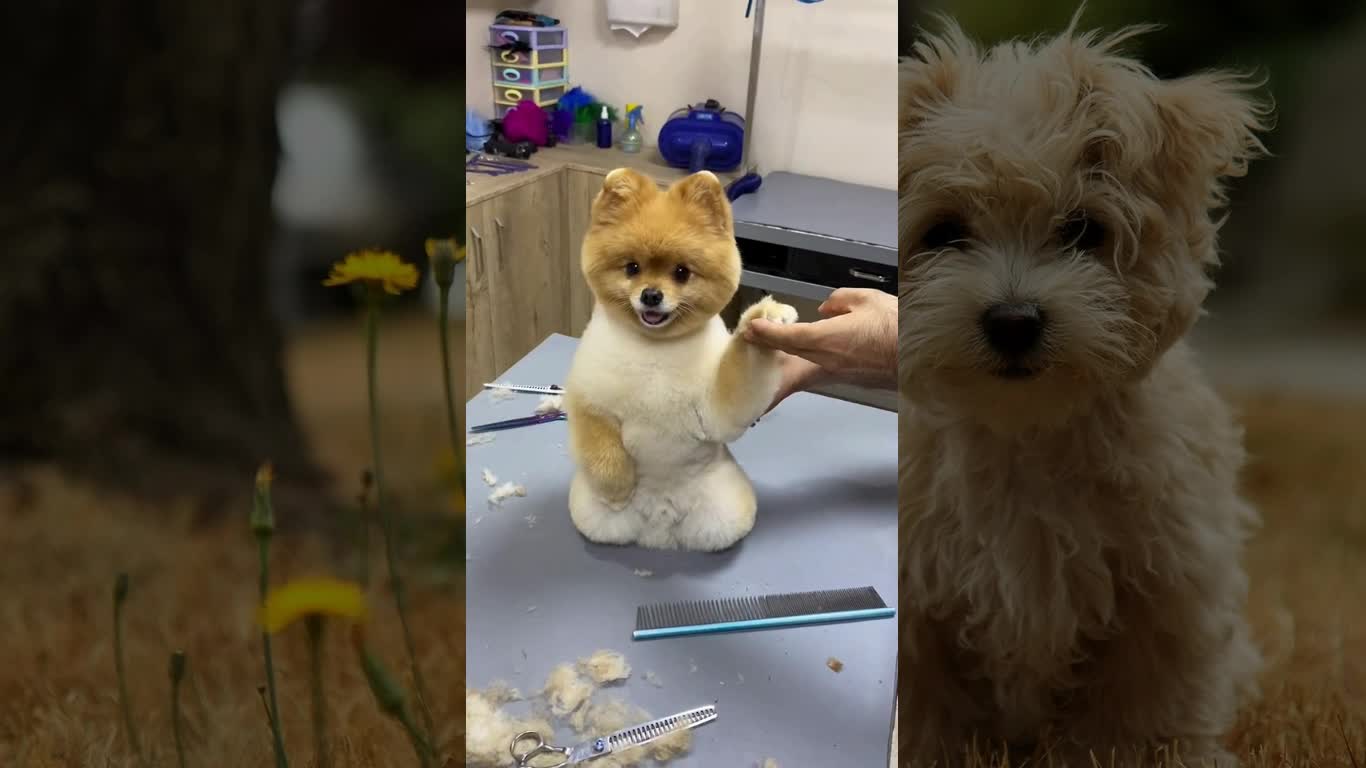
{"x": 580, "y": 189}
{"x": 479, "y": 366}
{"x": 527, "y": 279}
{"x": 516, "y": 278}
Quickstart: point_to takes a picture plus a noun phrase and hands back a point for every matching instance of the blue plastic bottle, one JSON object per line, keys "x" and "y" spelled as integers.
{"x": 604, "y": 130}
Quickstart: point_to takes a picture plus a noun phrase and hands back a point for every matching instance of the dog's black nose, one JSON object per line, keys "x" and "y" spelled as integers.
{"x": 651, "y": 297}
{"x": 1013, "y": 329}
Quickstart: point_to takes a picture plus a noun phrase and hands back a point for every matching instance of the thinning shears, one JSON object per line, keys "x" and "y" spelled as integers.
{"x": 627, "y": 738}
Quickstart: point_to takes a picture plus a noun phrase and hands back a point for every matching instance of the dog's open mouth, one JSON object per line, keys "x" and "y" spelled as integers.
{"x": 654, "y": 318}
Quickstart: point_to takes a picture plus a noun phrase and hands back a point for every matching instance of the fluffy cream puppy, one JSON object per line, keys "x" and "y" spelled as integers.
{"x": 1071, "y": 529}
{"x": 658, "y": 387}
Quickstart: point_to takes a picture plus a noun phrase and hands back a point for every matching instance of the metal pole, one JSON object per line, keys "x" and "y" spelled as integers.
{"x": 754, "y": 52}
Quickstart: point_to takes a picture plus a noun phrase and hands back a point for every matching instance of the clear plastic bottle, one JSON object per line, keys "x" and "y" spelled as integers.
{"x": 630, "y": 140}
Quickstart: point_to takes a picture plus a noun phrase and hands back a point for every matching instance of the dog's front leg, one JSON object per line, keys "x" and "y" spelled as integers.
{"x": 937, "y": 712}
{"x": 596, "y": 446}
{"x": 747, "y": 377}
{"x": 1168, "y": 684}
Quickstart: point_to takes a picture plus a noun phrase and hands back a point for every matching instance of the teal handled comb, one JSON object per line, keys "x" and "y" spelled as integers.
{"x": 743, "y": 614}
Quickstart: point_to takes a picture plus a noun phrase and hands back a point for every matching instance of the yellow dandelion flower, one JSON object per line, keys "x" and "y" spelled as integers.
{"x": 380, "y": 269}
{"x": 311, "y": 597}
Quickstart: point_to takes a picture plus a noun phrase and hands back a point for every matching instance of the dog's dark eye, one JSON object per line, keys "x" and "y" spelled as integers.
{"x": 632, "y": 269}
{"x": 945, "y": 234}
{"x": 1082, "y": 232}
{"x": 682, "y": 273}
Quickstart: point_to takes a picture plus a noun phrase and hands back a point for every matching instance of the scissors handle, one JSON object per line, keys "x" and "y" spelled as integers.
{"x": 541, "y": 748}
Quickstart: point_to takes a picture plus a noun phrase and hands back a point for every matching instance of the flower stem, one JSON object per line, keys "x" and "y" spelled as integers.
{"x": 121, "y": 594}
{"x": 363, "y": 530}
{"x": 177, "y": 674}
{"x": 389, "y": 697}
{"x": 314, "y": 625}
{"x": 386, "y": 523}
{"x": 420, "y": 746}
{"x": 281, "y": 761}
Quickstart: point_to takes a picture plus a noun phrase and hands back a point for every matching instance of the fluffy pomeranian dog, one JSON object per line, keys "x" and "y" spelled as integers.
{"x": 1070, "y": 523}
{"x": 658, "y": 387}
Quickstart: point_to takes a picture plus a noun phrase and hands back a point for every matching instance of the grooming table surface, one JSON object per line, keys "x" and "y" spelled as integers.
{"x": 539, "y": 594}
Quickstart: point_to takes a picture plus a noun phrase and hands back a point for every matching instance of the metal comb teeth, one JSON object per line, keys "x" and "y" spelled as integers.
{"x": 648, "y": 732}
{"x": 738, "y": 609}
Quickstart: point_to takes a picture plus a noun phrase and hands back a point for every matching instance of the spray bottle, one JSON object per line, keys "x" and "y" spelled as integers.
{"x": 604, "y": 130}
{"x": 630, "y": 141}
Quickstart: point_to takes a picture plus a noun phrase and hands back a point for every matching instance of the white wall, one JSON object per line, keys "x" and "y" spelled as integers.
{"x": 826, "y": 102}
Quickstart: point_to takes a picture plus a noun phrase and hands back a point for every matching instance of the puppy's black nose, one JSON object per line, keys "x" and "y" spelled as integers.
{"x": 1013, "y": 329}
{"x": 651, "y": 297}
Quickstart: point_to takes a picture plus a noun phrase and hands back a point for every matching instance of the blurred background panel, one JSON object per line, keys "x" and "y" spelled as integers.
{"x": 1285, "y": 337}
{"x": 178, "y": 181}
{"x": 1290, "y": 309}
{"x": 175, "y": 180}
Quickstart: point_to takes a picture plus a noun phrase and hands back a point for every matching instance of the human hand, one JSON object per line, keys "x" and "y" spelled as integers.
{"x": 797, "y": 374}
{"x": 854, "y": 342}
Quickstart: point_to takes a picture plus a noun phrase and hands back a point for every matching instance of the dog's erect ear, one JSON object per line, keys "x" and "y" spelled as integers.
{"x": 623, "y": 192}
{"x": 930, "y": 73}
{"x": 703, "y": 193}
{"x": 1211, "y": 126}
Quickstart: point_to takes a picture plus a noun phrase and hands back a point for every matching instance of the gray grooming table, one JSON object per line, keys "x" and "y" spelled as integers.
{"x": 825, "y": 474}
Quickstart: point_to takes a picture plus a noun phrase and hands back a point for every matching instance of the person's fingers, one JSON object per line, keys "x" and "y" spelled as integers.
{"x": 844, "y": 300}
{"x": 788, "y": 338}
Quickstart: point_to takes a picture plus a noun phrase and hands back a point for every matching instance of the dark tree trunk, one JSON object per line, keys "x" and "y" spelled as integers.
{"x": 138, "y": 148}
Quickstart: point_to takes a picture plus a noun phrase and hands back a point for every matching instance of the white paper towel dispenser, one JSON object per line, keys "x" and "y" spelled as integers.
{"x": 637, "y": 16}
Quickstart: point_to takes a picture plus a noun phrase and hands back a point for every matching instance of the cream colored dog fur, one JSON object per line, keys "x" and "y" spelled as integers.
{"x": 1071, "y": 529}
{"x": 658, "y": 387}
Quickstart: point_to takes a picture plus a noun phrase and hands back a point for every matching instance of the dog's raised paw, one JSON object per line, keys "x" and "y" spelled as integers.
{"x": 771, "y": 310}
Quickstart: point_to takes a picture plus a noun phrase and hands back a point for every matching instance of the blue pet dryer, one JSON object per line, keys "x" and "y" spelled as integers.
{"x": 703, "y": 137}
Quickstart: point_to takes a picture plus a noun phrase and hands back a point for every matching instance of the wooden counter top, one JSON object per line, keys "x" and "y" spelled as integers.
{"x": 550, "y": 160}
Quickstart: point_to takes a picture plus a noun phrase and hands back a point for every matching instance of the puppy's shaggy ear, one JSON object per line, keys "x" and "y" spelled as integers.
{"x": 703, "y": 194}
{"x": 931, "y": 72}
{"x": 1211, "y": 125}
{"x": 623, "y": 192}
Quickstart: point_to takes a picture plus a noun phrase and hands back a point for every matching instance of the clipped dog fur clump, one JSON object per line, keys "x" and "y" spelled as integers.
{"x": 572, "y": 697}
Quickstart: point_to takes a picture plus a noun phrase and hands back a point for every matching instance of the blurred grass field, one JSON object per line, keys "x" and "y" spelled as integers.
{"x": 194, "y": 588}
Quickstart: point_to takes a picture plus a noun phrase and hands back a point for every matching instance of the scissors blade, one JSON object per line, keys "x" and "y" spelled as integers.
{"x": 550, "y": 389}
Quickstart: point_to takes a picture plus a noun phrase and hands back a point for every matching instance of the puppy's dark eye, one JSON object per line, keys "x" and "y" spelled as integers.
{"x": 1082, "y": 232}
{"x": 632, "y": 269}
{"x": 682, "y": 273}
{"x": 945, "y": 234}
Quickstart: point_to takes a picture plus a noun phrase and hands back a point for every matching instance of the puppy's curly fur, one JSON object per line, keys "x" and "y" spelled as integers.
{"x": 1071, "y": 528}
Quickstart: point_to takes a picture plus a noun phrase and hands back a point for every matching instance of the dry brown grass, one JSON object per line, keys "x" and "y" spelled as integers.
{"x": 194, "y": 589}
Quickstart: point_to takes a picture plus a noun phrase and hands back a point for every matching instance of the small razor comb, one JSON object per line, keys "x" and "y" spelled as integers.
{"x": 742, "y": 614}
